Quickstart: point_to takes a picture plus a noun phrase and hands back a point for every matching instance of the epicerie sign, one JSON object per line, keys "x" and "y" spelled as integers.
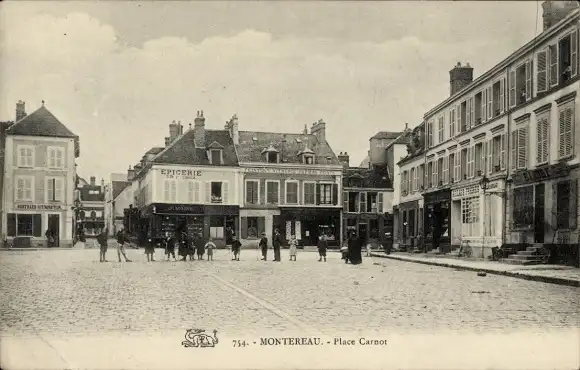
{"x": 289, "y": 171}
{"x": 39, "y": 207}
{"x": 185, "y": 174}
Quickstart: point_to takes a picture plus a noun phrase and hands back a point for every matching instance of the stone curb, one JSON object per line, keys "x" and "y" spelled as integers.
{"x": 519, "y": 275}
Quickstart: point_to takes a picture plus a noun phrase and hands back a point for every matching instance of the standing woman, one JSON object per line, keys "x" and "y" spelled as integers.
{"x": 200, "y": 246}
{"x": 322, "y": 246}
{"x": 293, "y": 248}
{"x": 182, "y": 248}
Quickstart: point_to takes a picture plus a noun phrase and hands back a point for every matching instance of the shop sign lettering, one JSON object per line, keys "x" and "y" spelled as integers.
{"x": 184, "y": 174}
{"x": 540, "y": 174}
{"x": 289, "y": 171}
{"x": 39, "y": 207}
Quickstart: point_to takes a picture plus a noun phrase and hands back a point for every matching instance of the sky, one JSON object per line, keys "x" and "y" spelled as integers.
{"x": 118, "y": 73}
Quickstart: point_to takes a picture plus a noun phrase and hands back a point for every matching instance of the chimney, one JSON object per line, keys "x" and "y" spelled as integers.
{"x": 319, "y": 130}
{"x": 555, "y": 11}
{"x": 102, "y": 185}
{"x": 93, "y": 180}
{"x": 233, "y": 129}
{"x": 344, "y": 159}
{"x": 173, "y": 131}
{"x": 20, "y": 111}
{"x": 459, "y": 77}
{"x": 305, "y": 132}
{"x": 199, "y": 130}
{"x": 167, "y": 141}
{"x": 130, "y": 174}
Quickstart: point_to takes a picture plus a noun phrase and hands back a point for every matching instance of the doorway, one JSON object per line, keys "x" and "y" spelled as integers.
{"x": 54, "y": 227}
{"x": 539, "y": 217}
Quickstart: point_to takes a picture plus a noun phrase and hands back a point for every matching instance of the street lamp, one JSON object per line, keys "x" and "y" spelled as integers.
{"x": 483, "y": 183}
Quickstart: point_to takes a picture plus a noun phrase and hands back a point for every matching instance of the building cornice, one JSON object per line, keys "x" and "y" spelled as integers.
{"x": 298, "y": 166}
{"x": 566, "y": 98}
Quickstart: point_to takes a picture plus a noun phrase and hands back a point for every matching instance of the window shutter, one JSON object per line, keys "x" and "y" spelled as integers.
{"x": 173, "y": 190}
{"x": 543, "y": 140}
{"x": 490, "y": 163}
{"x": 59, "y": 158}
{"x": 484, "y": 151}
{"x": 467, "y": 114}
{"x": 345, "y": 201}
{"x": 565, "y": 132}
{"x": 225, "y": 192}
{"x": 282, "y": 191}
{"x": 51, "y": 158}
{"x": 472, "y": 107}
{"x": 335, "y": 194}
{"x": 512, "y": 90}
{"x": 165, "y": 190}
{"x": 573, "y": 204}
{"x": 574, "y": 53}
{"x": 28, "y": 189}
{"x": 262, "y": 185}
{"x": 502, "y": 152}
{"x": 490, "y": 107}
{"x": 190, "y": 191}
{"x": 58, "y": 190}
{"x": 553, "y": 65}
{"x": 434, "y": 174}
{"x": 514, "y": 150}
{"x": 11, "y": 224}
{"x": 445, "y": 170}
{"x": 50, "y": 190}
{"x": 472, "y": 162}
{"x": 528, "y": 79}
{"x": 458, "y": 117}
{"x": 207, "y": 191}
{"x": 522, "y": 147}
{"x": 457, "y": 170}
{"x": 542, "y": 71}
{"x": 318, "y": 194}
{"x": 244, "y": 222}
{"x": 502, "y": 95}
{"x": 554, "y": 205}
{"x": 451, "y": 123}
{"x": 484, "y": 105}
{"x": 196, "y": 198}
{"x": 37, "y": 225}
{"x": 380, "y": 203}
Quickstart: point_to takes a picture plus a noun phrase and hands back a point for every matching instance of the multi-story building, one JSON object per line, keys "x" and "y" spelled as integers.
{"x": 291, "y": 182}
{"x": 3, "y": 127}
{"x": 484, "y": 128}
{"x": 409, "y": 207}
{"x": 544, "y": 134}
{"x": 91, "y": 209}
{"x": 189, "y": 186}
{"x": 367, "y": 197}
{"x": 39, "y": 173}
{"x": 118, "y": 197}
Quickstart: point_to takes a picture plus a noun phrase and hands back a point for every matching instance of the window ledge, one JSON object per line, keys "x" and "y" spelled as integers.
{"x": 522, "y": 228}
{"x": 566, "y": 158}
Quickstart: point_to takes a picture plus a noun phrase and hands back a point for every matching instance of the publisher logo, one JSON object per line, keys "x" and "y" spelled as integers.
{"x": 198, "y": 338}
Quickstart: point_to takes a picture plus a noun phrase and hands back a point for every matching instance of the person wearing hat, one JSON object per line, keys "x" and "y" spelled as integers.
{"x": 264, "y": 246}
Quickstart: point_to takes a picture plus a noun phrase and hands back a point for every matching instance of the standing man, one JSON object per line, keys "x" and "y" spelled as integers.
{"x": 264, "y": 247}
{"x": 121, "y": 239}
{"x": 102, "y": 239}
{"x": 276, "y": 242}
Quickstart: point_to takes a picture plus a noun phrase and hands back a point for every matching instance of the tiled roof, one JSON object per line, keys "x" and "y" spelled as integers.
{"x": 386, "y": 135}
{"x": 118, "y": 187}
{"x": 86, "y": 195}
{"x": 154, "y": 150}
{"x": 288, "y": 145}
{"x": 40, "y": 123}
{"x": 183, "y": 150}
{"x": 377, "y": 177}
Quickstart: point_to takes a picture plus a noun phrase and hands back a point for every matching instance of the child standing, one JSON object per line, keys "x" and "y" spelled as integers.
{"x": 322, "y": 246}
{"x": 210, "y": 246}
{"x": 293, "y": 248}
{"x": 368, "y": 249}
{"x": 236, "y": 246}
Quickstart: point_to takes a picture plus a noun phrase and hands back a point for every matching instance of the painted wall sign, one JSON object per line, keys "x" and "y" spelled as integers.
{"x": 540, "y": 174}
{"x": 39, "y": 207}
{"x": 185, "y": 174}
{"x": 290, "y": 171}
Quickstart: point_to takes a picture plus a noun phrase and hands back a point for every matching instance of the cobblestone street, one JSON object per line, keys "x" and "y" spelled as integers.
{"x": 69, "y": 293}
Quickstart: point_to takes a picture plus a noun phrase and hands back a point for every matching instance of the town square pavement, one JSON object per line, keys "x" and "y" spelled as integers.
{"x": 65, "y": 309}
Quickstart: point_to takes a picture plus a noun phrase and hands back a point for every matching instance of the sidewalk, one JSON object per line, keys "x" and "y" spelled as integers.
{"x": 555, "y": 274}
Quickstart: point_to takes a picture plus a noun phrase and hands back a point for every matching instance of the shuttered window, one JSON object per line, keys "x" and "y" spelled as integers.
{"x": 553, "y": 55}
{"x": 170, "y": 190}
{"x": 291, "y": 192}
{"x": 484, "y": 116}
{"x": 502, "y": 95}
{"x": 565, "y": 130}
{"x": 542, "y": 132}
{"x": 566, "y": 212}
{"x": 528, "y": 80}
{"x": 24, "y": 188}
{"x": 520, "y": 148}
{"x": 193, "y": 191}
{"x": 574, "y": 53}
{"x": 272, "y": 192}
{"x": 490, "y": 112}
{"x": 252, "y": 191}
{"x": 542, "y": 70}
{"x": 309, "y": 193}
{"x": 452, "y": 122}
{"x": 489, "y": 147}
{"x": 55, "y": 189}
{"x": 512, "y": 89}
{"x": 25, "y": 156}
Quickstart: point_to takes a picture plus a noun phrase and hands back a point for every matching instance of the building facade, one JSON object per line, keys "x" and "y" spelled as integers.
{"x": 291, "y": 182}
{"x": 117, "y": 198}
{"x": 487, "y": 130}
{"x": 39, "y": 173}
{"x": 409, "y": 210}
{"x": 91, "y": 208}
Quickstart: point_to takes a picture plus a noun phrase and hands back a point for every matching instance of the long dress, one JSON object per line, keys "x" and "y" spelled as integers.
{"x": 354, "y": 251}
{"x": 322, "y": 246}
{"x": 293, "y": 247}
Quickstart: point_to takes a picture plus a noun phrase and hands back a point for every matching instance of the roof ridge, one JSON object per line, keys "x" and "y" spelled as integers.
{"x": 278, "y": 133}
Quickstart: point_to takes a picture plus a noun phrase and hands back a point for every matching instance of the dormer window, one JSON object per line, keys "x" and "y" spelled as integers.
{"x": 307, "y": 155}
{"x": 271, "y": 154}
{"x": 215, "y": 153}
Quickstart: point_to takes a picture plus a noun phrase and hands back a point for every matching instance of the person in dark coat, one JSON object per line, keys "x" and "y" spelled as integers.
{"x": 236, "y": 247}
{"x": 183, "y": 245}
{"x": 170, "y": 246}
{"x": 200, "y": 248}
{"x": 322, "y": 246}
{"x": 102, "y": 240}
{"x": 354, "y": 250}
{"x": 264, "y": 247}
{"x": 276, "y": 243}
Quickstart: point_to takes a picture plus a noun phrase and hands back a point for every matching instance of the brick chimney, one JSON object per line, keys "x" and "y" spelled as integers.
{"x": 199, "y": 130}
{"x": 20, "y": 110}
{"x": 173, "y": 131}
{"x": 305, "y": 132}
{"x": 459, "y": 77}
{"x": 344, "y": 158}
{"x": 319, "y": 130}
{"x": 93, "y": 180}
{"x": 130, "y": 174}
{"x": 555, "y": 11}
{"x": 102, "y": 185}
{"x": 233, "y": 128}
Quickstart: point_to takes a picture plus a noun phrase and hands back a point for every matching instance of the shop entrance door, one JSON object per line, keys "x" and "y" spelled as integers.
{"x": 539, "y": 218}
{"x": 54, "y": 227}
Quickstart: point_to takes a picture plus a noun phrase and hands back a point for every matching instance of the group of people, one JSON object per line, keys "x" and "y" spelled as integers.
{"x": 102, "y": 239}
{"x": 188, "y": 247}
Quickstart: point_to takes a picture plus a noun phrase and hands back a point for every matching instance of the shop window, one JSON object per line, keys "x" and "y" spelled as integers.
{"x": 523, "y": 207}
{"x": 216, "y": 192}
{"x": 252, "y": 227}
{"x": 374, "y": 229}
{"x": 470, "y": 216}
{"x": 24, "y": 224}
{"x": 309, "y": 193}
{"x": 216, "y": 227}
{"x": 566, "y": 212}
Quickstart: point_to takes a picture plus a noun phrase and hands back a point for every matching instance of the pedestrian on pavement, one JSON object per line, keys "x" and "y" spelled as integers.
{"x": 293, "y": 248}
{"x": 344, "y": 252}
{"x": 183, "y": 246}
{"x": 368, "y": 249}
{"x": 102, "y": 240}
{"x": 264, "y": 246}
{"x": 354, "y": 250}
{"x": 236, "y": 247}
{"x": 322, "y": 246}
{"x": 170, "y": 246}
{"x": 276, "y": 242}
{"x": 200, "y": 249}
{"x": 210, "y": 246}
{"x": 121, "y": 239}
{"x": 49, "y": 238}
{"x": 150, "y": 250}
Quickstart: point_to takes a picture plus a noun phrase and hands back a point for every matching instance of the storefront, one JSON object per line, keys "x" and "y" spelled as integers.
{"x": 28, "y": 224}
{"x": 410, "y": 217}
{"x": 309, "y": 223}
{"x": 437, "y": 220}
{"x": 219, "y": 222}
{"x": 372, "y": 227}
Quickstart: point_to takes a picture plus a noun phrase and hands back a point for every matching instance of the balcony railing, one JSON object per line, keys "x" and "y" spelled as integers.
{"x": 216, "y": 199}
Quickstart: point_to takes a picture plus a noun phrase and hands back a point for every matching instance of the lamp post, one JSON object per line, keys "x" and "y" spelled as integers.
{"x": 483, "y": 183}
